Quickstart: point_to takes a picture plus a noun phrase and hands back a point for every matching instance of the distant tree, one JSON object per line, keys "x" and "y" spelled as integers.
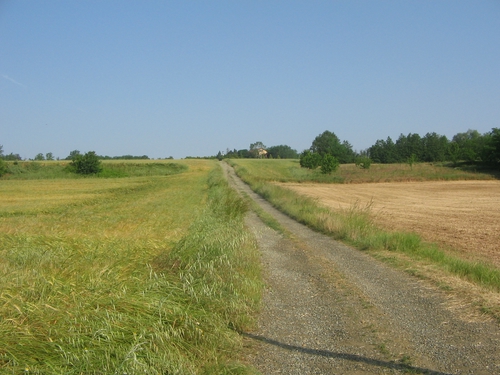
{"x": 454, "y": 152}
{"x": 383, "y": 151}
{"x": 328, "y": 143}
{"x": 435, "y": 147}
{"x": 1, "y": 152}
{"x": 72, "y": 154}
{"x": 349, "y": 155}
{"x": 282, "y": 152}
{"x": 329, "y": 164}
{"x": 255, "y": 147}
{"x": 495, "y": 146}
{"x": 49, "y": 156}
{"x": 86, "y": 164}
{"x": 39, "y": 156}
{"x": 244, "y": 153}
{"x": 13, "y": 157}
{"x": 471, "y": 144}
{"x": 409, "y": 145}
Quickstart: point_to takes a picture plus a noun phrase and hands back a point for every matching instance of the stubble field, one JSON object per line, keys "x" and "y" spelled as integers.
{"x": 463, "y": 216}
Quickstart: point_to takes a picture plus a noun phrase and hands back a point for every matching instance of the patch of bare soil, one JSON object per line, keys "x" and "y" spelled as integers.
{"x": 462, "y": 215}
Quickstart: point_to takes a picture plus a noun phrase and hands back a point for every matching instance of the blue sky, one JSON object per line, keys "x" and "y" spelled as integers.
{"x": 190, "y": 78}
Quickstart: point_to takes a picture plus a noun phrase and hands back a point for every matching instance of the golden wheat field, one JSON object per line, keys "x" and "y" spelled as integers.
{"x": 460, "y": 215}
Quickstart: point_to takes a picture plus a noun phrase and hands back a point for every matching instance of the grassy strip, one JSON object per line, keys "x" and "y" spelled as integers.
{"x": 289, "y": 170}
{"x": 42, "y": 170}
{"x": 123, "y": 302}
{"x": 355, "y": 227}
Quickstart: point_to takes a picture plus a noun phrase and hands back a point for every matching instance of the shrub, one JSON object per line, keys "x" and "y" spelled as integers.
{"x": 310, "y": 160}
{"x": 3, "y": 168}
{"x": 329, "y": 164}
{"x": 363, "y": 162}
{"x": 86, "y": 164}
{"x": 412, "y": 160}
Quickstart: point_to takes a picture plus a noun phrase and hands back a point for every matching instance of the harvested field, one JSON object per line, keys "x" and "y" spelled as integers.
{"x": 463, "y": 216}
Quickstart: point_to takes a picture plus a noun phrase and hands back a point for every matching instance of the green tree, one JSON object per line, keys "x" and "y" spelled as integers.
{"x": 86, "y": 164}
{"x": 310, "y": 160}
{"x": 409, "y": 145}
{"x": 255, "y": 148}
{"x": 434, "y": 147}
{"x": 3, "y": 167}
{"x": 282, "y": 152}
{"x": 412, "y": 159}
{"x": 12, "y": 156}
{"x": 329, "y": 164}
{"x": 383, "y": 151}
{"x": 471, "y": 144}
{"x": 72, "y": 154}
{"x": 49, "y": 156}
{"x": 39, "y": 156}
{"x": 348, "y": 154}
{"x": 328, "y": 143}
{"x": 454, "y": 152}
{"x": 363, "y": 162}
{"x": 495, "y": 145}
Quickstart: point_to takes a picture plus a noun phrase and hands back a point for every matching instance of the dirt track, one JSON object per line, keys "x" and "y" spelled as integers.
{"x": 330, "y": 309}
{"x": 464, "y": 215}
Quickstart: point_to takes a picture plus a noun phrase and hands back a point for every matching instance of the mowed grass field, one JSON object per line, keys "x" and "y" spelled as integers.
{"x": 438, "y": 222}
{"x": 152, "y": 273}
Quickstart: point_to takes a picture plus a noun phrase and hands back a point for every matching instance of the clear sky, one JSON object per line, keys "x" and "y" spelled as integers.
{"x": 190, "y": 78}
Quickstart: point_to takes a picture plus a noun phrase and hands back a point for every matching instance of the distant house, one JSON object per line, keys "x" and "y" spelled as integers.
{"x": 261, "y": 153}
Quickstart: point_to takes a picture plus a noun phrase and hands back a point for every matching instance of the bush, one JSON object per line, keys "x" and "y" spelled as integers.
{"x": 329, "y": 164}
{"x": 310, "y": 160}
{"x": 363, "y": 162}
{"x": 86, "y": 164}
{"x": 3, "y": 168}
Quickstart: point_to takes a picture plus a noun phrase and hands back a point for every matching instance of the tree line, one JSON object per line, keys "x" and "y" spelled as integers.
{"x": 274, "y": 152}
{"x": 470, "y": 146}
{"x": 50, "y": 156}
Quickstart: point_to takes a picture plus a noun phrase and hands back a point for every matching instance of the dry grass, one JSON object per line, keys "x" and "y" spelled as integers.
{"x": 351, "y": 219}
{"x": 289, "y": 170}
{"x": 459, "y": 215}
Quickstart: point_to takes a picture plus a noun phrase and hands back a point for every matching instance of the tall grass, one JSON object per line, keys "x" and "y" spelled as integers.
{"x": 355, "y": 227}
{"x": 42, "y": 170}
{"x": 150, "y": 278}
{"x": 289, "y": 170}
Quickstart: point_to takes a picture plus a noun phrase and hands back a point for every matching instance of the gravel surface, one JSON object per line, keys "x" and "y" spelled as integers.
{"x": 331, "y": 309}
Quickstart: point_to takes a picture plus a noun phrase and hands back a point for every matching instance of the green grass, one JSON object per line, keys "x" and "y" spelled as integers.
{"x": 289, "y": 170}
{"x": 136, "y": 275}
{"x": 31, "y": 170}
{"x": 354, "y": 226}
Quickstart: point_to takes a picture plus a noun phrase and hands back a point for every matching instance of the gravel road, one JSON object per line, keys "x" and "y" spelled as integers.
{"x": 331, "y": 309}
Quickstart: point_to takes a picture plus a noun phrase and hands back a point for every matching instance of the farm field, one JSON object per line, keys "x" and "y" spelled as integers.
{"x": 138, "y": 274}
{"x": 429, "y": 214}
{"x": 460, "y": 215}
